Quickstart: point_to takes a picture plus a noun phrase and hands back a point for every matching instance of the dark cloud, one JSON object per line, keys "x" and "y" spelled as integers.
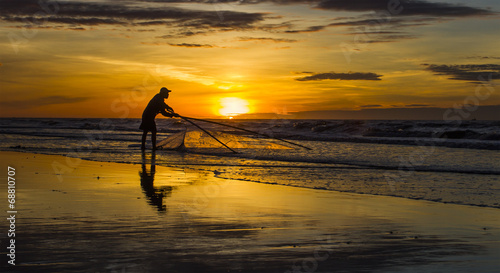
{"x": 89, "y": 21}
{"x": 307, "y": 30}
{"x": 302, "y": 72}
{"x": 379, "y": 29}
{"x": 400, "y": 7}
{"x": 364, "y": 22}
{"x": 81, "y": 13}
{"x": 192, "y": 45}
{"x": 406, "y": 14}
{"x": 384, "y": 38}
{"x": 187, "y": 45}
{"x": 406, "y": 7}
{"x": 266, "y": 39}
{"x": 403, "y": 15}
{"x": 183, "y": 34}
{"x": 393, "y": 38}
{"x": 418, "y": 105}
{"x": 188, "y": 22}
{"x": 152, "y": 23}
{"x": 374, "y": 25}
{"x": 341, "y": 76}
{"x": 77, "y": 28}
{"x": 484, "y": 57}
{"x": 467, "y": 72}
{"x": 371, "y": 106}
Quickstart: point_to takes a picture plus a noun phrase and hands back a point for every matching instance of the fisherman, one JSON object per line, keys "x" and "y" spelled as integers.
{"x": 155, "y": 106}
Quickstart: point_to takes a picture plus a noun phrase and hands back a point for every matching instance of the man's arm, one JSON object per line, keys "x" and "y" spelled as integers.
{"x": 165, "y": 113}
{"x": 168, "y": 112}
{"x": 169, "y": 109}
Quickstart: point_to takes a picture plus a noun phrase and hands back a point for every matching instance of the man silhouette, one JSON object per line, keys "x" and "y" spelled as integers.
{"x": 155, "y": 106}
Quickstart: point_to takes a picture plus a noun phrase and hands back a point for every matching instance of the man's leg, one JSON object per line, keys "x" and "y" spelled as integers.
{"x": 144, "y": 135}
{"x": 153, "y": 139}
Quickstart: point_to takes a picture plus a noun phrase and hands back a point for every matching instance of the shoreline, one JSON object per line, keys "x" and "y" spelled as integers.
{"x": 114, "y": 216}
{"x": 69, "y": 163}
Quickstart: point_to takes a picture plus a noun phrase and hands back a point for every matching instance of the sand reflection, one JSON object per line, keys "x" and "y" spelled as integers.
{"x": 155, "y": 195}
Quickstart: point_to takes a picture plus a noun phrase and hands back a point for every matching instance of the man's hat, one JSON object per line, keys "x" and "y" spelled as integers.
{"x": 164, "y": 89}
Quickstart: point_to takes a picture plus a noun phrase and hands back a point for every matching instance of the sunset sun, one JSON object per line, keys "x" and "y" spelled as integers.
{"x": 231, "y": 107}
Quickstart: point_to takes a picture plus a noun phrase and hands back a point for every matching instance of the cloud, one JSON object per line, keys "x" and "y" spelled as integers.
{"x": 182, "y": 34}
{"x": 181, "y": 45}
{"x": 381, "y": 24}
{"x": 90, "y": 21}
{"x": 484, "y": 57}
{"x": 384, "y": 38}
{"x": 407, "y": 7}
{"x": 77, "y": 28}
{"x": 303, "y": 72}
{"x": 182, "y": 73}
{"x": 467, "y": 72}
{"x": 418, "y": 105}
{"x": 364, "y": 21}
{"x": 184, "y": 22}
{"x": 373, "y": 27}
{"x": 91, "y": 14}
{"x": 192, "y": 45}
{"x": 406, "y": 14}
{"x": 308, "y": 30}
{"x": 341, "y": 76}
{"x": 266, "y": 39}
{"x": 363, "y": 29}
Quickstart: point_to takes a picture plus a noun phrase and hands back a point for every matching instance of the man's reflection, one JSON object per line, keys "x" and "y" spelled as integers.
{"x": 154, "y": 194}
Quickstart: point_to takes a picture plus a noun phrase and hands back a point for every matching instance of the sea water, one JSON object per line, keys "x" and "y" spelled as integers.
{"x": 430, "y": 160}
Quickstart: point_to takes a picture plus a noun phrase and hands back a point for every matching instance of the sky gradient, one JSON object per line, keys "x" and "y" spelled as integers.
{"x": 108, "y": 58}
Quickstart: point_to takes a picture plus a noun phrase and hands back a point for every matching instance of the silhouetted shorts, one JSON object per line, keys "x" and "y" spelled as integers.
{"x": 148, "y": 125}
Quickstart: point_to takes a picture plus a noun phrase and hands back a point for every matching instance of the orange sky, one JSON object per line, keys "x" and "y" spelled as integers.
{"x": 108, "y": 58}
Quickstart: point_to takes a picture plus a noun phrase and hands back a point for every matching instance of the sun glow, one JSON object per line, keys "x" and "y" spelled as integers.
{"x": 231, "y": 107}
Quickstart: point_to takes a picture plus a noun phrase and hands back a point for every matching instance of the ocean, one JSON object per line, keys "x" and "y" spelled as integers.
{"x": 448, "y": 162}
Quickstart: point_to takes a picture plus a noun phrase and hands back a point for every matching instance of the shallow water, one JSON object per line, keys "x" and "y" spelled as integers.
{"x": 393, "y": 158}
{"x": 108, "y": 217}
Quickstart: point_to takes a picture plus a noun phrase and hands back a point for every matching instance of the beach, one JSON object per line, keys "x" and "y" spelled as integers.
{"x": 117, "y": 217}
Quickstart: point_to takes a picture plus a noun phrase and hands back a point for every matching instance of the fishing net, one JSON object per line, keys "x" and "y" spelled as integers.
{"x": 198, "y": 139}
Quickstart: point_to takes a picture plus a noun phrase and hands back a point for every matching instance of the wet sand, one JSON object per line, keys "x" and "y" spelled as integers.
{"x": 111, "y": 217}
